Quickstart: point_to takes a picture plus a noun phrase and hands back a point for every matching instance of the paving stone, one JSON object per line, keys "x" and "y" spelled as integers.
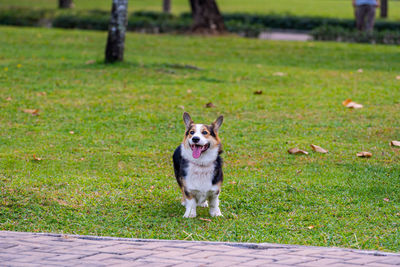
{"x": 236, "y": 259}
{"x": 203, "y": 254}
{"x": 258, "y": 262}
{"x": 271, "y": 252}
{"x": 29, "y": 249}
{"x": 320, "y": 262}
{"x": 191, "y": 264}
{"x": 98, "y": 257}
{"x": 290, "y": 260}
{"x": 222, "y": 248}
{"x": 394, "y": 260}
{"x": 63, "y": 257}
{"x": 138, "y": 254}
{"x": 375, "y": 264}
{"x": 361, "y": 260}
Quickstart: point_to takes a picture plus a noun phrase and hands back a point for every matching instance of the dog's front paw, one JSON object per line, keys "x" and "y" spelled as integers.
{"x": 189, "y": 214}
{"x": 214, "y": 212}
{"x": 204, "y": 204}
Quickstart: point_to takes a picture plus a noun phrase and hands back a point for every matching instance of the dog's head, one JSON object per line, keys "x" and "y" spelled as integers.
{"x": 201, "y": 138}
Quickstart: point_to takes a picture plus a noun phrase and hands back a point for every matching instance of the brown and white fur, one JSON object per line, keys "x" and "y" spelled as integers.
{"x": 198, "y": 166}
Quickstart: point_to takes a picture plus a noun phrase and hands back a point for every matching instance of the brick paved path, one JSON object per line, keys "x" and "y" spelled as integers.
{"x": 31, "y": 249}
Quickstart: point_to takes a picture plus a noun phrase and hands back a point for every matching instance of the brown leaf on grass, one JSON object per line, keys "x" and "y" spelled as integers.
{"x": 210, "y": 105}
{"x": 232, "y": 182}
{"x": 33, "y": 112}
{"x": 295, "y": 150}
{"x": 395, "y": 143}
{"x": 279, "y": 74}
{"x": 398, "y": 77}
{"x": 36, "y": 158}
{"x": 258, "y": 92}
{"x": 204, "y": 219}
{"x": 9, "y": 98}
{"x": 318, "y": 149}
{"x": 364, "y": 154}
{"x": 189, "y": 91}
{"x": 89, "y": 62}
{"x": 311, "y": 227}
{"x": 348, "y": 103}
{"x": 41, "y": 93}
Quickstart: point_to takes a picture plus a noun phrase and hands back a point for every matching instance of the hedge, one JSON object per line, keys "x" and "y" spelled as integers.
{"x": 332, "y": 33}
{"x": 249, "y": 25}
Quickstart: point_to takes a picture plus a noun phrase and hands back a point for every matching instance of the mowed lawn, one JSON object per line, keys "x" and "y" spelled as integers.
{"x": 105, "y": 135}
{"x": 322, "y": 8}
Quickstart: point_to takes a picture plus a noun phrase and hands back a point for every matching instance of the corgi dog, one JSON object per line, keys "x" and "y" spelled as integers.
{"x": 198, "y": 166}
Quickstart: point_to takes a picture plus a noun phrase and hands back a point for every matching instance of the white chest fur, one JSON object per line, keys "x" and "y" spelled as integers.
{"x": 199, "y": 181}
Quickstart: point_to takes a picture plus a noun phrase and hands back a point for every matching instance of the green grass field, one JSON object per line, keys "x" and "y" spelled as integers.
{"x": 324, "y": 8}
{"x": 106, "y": 133}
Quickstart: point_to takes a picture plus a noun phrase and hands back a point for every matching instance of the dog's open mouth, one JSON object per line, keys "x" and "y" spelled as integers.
{"x": 198, "y": 149}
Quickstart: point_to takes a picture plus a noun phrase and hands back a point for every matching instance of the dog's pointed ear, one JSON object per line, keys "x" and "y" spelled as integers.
{"x": 187, "y": 120}
{"x": 217, "y": 123}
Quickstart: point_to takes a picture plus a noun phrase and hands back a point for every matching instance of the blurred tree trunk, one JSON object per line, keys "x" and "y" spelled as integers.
{"x": 206, "y": 17}
{"x": 116, "y": 31}
{"x": 167, "y": 6}
{"x": 65, "y": 4}
{"x": 384, "y": 8}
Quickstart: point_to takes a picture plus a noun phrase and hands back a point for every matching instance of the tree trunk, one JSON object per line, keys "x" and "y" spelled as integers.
{"x": 167, "y": 6}
{"x": 206, "y": 17}
{"x": 116, "y": 31}
{"x": 65, "y": 4}
{"x": 384, "y": 8}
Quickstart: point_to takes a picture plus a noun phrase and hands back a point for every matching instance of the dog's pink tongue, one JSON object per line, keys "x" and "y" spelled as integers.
{"x": 196, "y": 152}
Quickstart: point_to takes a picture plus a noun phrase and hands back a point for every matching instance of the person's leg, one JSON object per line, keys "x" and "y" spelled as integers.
{"x": 359, "y": 18}
{"x": 370, "y": 18}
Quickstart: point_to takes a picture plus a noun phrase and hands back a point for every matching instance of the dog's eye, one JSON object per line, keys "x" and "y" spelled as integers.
{"x": 204, "y": 133}
{"x": 191, "y": 132}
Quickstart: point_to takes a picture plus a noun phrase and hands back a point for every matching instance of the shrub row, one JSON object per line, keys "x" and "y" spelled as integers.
{"x": 332, "y": 33}
{"x": 156, "y": 22}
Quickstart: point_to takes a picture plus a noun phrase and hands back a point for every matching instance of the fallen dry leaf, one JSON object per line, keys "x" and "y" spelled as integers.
{"x": 360, "y": 70}
{"x": 204, "y": 219}
{"x": 386, "y": 199}
{"x": 210, "y": 105}
{"x": 398, "y": 77}
{"x": 90, "y": 62}
{"x": 41, "y": 93}
{"x": 395, "y": 143}
{"x": 232, "y": 182}
{"x": 279, "y": 74}
{"x": 311, "y": 227}
{"x": 348, "y": 103}
{"x": 258, "y": 92}
{"x": 36, "y": 158}
{"x": 295, "y": 150}
{"x": 318, "y": 149}
{"x": 9, "y": 98}
{"x": 364, "y": 154}
{"x": 33, "y": 112}
{"x": 189, "y": 91}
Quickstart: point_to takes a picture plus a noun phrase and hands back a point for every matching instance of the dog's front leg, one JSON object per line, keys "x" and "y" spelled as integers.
{"x": 190, "y": 208}
{"x": 214, "y": 206}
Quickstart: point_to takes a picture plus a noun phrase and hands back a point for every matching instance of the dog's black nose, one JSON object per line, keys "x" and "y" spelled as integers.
{"x": 196, "y": 139}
